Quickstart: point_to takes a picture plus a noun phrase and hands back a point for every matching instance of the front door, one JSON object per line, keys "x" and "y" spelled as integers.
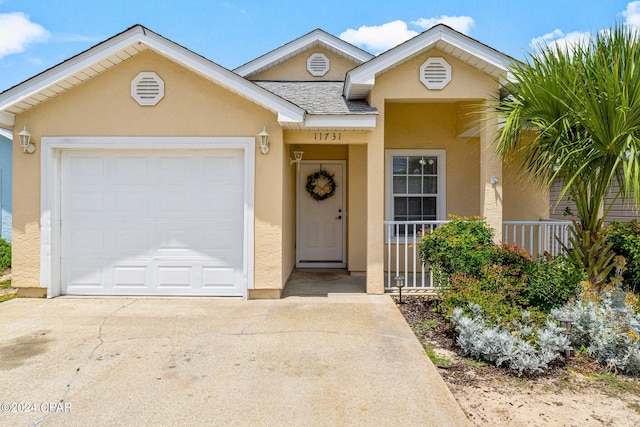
{"x": 321, "y": 214}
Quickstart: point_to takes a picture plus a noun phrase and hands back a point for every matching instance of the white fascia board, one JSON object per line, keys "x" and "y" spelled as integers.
{"x": 316, "y": 36}
{"x": 70, "y": 67}
{"x": 365, "y": 74}
{"x": 360, "y": 121}
{"x": 6, "y": 133}
{"x": 6, "y": 120}
{"x": 223, "y": 76}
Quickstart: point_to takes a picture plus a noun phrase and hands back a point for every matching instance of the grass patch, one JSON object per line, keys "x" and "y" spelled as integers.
{"x": 429, "y": 324}
{"x": 617, "y": 384}
{"x": 4, "y": 298}
{"x": 435, "y": 358}
{"x": 474, "y": 363}
{"x": 5, "y": 284}
{"x": 634, "y": 406}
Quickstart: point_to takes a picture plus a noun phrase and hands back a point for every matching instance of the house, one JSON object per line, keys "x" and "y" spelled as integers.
{"x": 6, "y": 138}
{"x": 158, "y": 172}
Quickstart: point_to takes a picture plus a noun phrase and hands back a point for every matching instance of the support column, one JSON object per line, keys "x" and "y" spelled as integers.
{"x": 490, "y": 176}
{"x": 375, "y": 208}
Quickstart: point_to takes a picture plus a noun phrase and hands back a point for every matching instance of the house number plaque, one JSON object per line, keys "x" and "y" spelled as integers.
{"x": 327, "y": 136}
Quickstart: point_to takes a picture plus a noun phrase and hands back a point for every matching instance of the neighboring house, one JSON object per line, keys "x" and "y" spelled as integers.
{"x": 148, "y": 176}
{"x": 6, "y": 138}
{"x": 564, "y": 209}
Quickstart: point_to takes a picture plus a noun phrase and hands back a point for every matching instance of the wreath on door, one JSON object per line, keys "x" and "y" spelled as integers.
{"x": 321, "y": 185}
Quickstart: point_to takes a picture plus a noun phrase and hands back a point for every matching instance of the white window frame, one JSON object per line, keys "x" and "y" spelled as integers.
{"x": 441, "y": 199}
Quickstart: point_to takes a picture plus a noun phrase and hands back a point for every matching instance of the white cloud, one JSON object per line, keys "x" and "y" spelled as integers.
{"x": 17, "y": 32}
{"x": 379, "y": 38}
{"x": 557, "y": 39}
{"x": 458, "y": 23}
{"x": 632, "y": 14}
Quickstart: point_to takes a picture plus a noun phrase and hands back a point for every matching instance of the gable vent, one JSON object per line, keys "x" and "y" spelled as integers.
{"x": 435, "y": 73}
{"x": 318, "y": 64}
{"x": 147, "y": 88}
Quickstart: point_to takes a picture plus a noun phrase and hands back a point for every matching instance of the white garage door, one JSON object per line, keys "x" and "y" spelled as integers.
{"x": 149, "y": 222}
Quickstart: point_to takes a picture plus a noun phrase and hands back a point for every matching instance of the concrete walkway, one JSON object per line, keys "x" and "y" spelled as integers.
{"x": 308, "y": 361}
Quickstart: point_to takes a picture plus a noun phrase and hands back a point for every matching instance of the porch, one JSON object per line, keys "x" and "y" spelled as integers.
{"x": 402, "y": 247}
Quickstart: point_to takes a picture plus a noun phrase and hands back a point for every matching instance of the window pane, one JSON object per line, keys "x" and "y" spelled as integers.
{"x": 430, "y": 185}
{"x": 429, "y": 207}
{"x": 415, "y": 165}
{"x": 400, "y": 185}
{"x": 400, "y": 206}
{"x": 431, "y": 165}
{"x": 415, "y": 185}
{"x": 399, "y": 165}
{"x": 415, "y": 207}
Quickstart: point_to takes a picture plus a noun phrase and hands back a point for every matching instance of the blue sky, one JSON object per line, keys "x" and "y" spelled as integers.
{"x": 38, "y": 34}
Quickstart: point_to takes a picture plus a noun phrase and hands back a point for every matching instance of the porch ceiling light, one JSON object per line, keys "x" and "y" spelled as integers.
{"x": 25, "y": 141}
{"x": 297, "y": 158}
{"x": 264, "y": 141}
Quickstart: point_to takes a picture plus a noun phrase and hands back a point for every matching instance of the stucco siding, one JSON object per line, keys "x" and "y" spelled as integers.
{"x": 295, "y": 68}
{"x": 192, "y": 106}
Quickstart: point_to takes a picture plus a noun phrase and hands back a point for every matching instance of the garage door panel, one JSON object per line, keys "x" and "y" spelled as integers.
{"x": 152, "y": 225}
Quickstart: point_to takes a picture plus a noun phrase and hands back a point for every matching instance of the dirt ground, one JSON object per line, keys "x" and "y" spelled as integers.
{"x": 573, "y": 392}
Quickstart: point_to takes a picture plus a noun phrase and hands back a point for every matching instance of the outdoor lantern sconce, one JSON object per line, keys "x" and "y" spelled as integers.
{"x": 297, "y": 158}
{"x": 25, "y": 141}
{"x": 399, "y": 284}
{"x": 264, "y": 141}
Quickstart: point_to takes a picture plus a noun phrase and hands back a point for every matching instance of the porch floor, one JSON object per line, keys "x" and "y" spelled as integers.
{"x": 322, "y": 283}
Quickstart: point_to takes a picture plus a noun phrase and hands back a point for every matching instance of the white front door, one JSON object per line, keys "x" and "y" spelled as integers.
{"x": 321, "y": 223}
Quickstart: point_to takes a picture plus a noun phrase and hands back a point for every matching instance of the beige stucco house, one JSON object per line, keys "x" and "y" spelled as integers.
{"x": 148, "y": 175}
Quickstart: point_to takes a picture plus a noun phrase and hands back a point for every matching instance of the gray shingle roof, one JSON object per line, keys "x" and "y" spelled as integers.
{"x": 317, "y": 97}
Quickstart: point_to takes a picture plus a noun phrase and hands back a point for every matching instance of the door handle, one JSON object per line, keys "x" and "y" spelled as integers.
{"x": 339, "y": 217}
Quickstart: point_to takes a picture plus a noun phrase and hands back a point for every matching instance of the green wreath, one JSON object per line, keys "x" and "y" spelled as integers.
{"x": 321, "y": 185}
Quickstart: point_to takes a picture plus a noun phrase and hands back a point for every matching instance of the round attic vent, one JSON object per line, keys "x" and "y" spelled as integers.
{"x": 435, "y": 73}
{"x": 147, "y": 88}
{"x": 318, "y": 64}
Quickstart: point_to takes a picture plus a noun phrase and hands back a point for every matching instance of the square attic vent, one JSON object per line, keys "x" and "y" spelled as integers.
{"x": 435, "y": 73}
{"x": 318, "y": 64}
{"x": 147, "y": 88}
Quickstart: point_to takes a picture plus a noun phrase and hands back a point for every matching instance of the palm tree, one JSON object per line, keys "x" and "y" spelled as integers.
{"x": 574, "y": 114}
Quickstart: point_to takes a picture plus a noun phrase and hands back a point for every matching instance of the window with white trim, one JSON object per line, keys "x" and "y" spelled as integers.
{"x": 415, "y": 183}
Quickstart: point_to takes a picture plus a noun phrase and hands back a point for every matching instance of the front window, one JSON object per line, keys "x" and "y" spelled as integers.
{"x": 415, "y": 186}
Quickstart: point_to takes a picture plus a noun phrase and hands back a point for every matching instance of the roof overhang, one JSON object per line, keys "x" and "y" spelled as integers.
{"x": 360, "y": 80}
{"x": 6, "y": 133}
{"x": 121, "y": 47}
{"x": 308, "y": 41}
{"x": 334, "y": 122}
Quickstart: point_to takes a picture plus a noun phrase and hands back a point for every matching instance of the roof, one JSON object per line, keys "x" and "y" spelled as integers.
{"x": 310, "y": 40}
{"x": 121, "y": 47}
{"x": 361, "y": 79}
{"x": 318, "y": 97}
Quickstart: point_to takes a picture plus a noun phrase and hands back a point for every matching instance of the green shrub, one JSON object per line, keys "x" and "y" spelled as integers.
{"x": 501, "y": 294}
{"x": 625, "y": 237}
{"x": 5, "y": 254}
{"x": 463, "y": 245}
{"x": 552, "y": 282}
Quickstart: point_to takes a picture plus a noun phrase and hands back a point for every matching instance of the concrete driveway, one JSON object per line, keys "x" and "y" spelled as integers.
{"x": 310, "y": 361}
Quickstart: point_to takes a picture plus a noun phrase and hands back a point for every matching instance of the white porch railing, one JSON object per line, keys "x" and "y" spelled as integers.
{"x": 402, "y": 240}
{"x": 402, "y": 246}
{"x": 537, "y": 237}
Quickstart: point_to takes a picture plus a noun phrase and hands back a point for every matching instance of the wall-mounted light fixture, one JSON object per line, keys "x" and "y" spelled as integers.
{"x": 494, "y": 180}
{"x": 264, "y": 141}
{"x": 25, "y": 141}
{"x": 297, "y": 158}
